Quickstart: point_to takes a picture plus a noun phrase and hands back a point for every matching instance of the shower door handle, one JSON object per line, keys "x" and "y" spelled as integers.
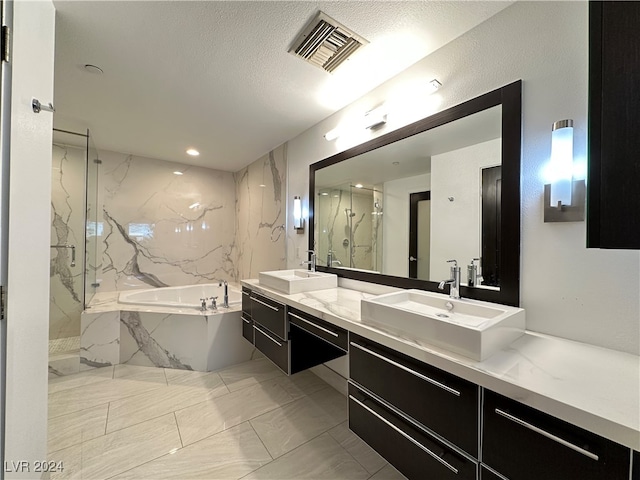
{"x": 73, "y": 252}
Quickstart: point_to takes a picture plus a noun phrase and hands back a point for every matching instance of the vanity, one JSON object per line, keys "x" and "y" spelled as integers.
{"x": 443, "y": 387}
{"x": 541, "y": 407}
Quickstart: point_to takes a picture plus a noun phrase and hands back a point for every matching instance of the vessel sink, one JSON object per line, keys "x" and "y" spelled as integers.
{"x": 470, "y": 328}
{"x": 297, "y": 281}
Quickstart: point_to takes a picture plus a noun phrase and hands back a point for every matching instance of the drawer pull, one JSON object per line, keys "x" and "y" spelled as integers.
{"x": 245, "y": 320}
{"x": 406, "y": 369}
{"x": 268, "y": 336}
{"x": 405, "y": 435}
{"x": 265, "y": 304}
{"x": 245, "y": 293}
{"x": 550, "y": 436}
{"x": 326, "y": 330}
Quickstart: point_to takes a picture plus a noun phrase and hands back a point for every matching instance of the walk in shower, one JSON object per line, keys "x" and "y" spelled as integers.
{"x": 74, "y": 258}
{"x": 349, "y": 222}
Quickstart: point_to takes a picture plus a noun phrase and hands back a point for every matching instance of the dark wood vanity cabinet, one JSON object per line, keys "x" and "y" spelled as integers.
{"x": 313, "y": 341}
{"x": 522, "y": 443}
{"x": 613, "y": 192}
{"x": 423, "y": 420}
{"x": 444, "y": 403}
{"x": 290, "y": 338}
{"x": 269, "y": 324}
{"x": 409, "y": 447}
{"x": 247, "y": 321}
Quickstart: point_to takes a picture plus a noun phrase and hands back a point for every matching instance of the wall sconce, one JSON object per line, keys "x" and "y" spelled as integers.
{"x": 331, "y": 135}
{"x": 298, "y": 221}
{"x": 375, "y": 118}
{"x": 564, "y": 198}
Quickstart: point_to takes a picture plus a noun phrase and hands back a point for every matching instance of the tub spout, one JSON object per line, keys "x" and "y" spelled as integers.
{"x": 225, "y": 300}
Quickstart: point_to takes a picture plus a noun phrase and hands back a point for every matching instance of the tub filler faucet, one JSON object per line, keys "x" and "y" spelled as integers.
{"x": 225, "y": 301}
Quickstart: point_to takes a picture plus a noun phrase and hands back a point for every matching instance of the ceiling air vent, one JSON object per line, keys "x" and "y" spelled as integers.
{"x": 326, "y": 43}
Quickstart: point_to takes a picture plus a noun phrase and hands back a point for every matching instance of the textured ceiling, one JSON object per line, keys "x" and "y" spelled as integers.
{"x": 217, "y": 76}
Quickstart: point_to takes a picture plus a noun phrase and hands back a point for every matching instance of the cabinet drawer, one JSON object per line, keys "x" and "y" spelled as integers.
{"x": 523, "y": 443}
{"x": 309, "y": 350}
{"x": 327, "y": 331}
{"x": 246, "y": 301}
{"x": 486, "y": 474}
{"x": 269, "y": 313}
{"x": 411, "y": 450}
{"x": 274, "y": 348}
{"x": 247, "y": 327}
{"x": 442, "y": 402}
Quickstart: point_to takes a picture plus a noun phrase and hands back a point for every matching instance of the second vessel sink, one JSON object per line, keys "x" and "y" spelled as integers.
{"x": 468, "y": 327}
{"x": 297, "y": 281}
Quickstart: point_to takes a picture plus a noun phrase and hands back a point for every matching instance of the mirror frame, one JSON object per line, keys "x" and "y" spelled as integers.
{"x": 510, "y": 97}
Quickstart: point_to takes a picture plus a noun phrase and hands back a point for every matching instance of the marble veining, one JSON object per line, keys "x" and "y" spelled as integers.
{"x": 260, "y": 215}
{"x": 146, "y": 344}
{"x": 567, "y": 379}
{"x": 162, "y": 229}
{"x": 67, "y": 227}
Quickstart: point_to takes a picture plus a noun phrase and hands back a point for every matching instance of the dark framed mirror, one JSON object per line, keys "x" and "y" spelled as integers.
{"x": 393, "y": 210}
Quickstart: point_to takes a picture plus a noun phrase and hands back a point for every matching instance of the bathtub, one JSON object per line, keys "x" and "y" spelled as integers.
{"x": 180, "y": 297}
{"x": 164, "y": 327}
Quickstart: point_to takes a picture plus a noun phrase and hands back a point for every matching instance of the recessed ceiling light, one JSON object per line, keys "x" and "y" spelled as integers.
{"x": 358, "y": 185}
{"x": 262, "y": 185}
{"x": 193, "y": 152}
{"x": 94, "y": 69}
{"x": 324, "y": 193}
{"x": 177, "y": 173}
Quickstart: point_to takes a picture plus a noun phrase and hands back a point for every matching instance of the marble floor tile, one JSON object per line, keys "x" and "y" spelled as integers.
{"x": 80, "y": 379}
{"x": 301, "y": 384}
{"x": 320, "y": 458}
{"x": 76, "y": 427}
{"x": 109, "y": 455}
{"x": 363, "y": 453}
{"x": 290, "y": 426}
{"x": 231, "y": 454}
{"x": 249, "y": 373}
{"x": 143, "y": 374}
{"x": 81, "y": 398}
{"x": 192, "y": 378}
{"x": 155, "y": 403}
{"x": 213, "y": 416}
{"x": 388, "y": 473}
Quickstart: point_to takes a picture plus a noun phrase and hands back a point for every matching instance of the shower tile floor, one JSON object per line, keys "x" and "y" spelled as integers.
{"x": 248, "y": 421}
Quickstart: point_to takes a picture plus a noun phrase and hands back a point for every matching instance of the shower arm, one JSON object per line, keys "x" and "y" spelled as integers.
{"x": 73, "y": 252}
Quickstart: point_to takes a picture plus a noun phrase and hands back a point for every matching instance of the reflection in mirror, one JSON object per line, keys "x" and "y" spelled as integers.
{"x": 395, "y": 209}
{"x": 406, "y": 208}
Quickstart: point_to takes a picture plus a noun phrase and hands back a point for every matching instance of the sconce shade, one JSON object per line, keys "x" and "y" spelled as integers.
{"x": 298, "y": 222}
{"x": 561, "y": 162}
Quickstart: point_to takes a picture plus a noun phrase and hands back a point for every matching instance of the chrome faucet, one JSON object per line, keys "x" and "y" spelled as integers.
{"x": 214, "y": 306}
{"x": 311, "y": 262}
{"x": 454, "y": 281}
{"x": 225, "y": 300}
{"x": 203, "y": 304}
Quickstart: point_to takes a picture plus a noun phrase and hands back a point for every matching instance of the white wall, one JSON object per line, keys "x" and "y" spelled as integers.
{"x": 395, "y": 245}
{"x": 456, "y": 228}
{"x": 567, "y": 290}
{"x": 30, "y": 197}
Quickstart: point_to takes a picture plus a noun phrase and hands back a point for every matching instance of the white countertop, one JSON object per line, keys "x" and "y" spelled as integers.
{"x": 592, "y": 387}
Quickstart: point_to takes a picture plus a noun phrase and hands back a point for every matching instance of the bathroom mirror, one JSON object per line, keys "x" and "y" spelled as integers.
{"x": 395, "y": 209}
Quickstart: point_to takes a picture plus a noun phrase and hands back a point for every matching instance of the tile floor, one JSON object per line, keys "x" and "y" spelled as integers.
{"x": 248, "y": 421}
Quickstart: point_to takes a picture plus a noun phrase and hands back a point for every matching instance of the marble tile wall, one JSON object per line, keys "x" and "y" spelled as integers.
{"x": 346, "y": 227}
{"x": 260, "y": 215}
{"x": 67, "y": 227}
{"x": 161, "y": 229}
